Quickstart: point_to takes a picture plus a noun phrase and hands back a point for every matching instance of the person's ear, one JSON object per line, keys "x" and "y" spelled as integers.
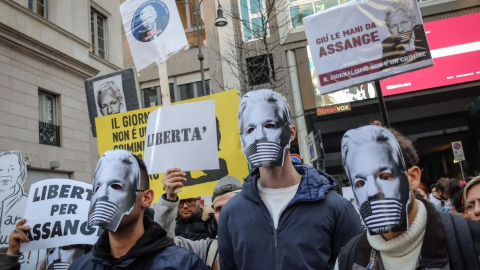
{"x": 414, "y": 176}
{"x": 202, "y": 203}
{"x": 293, "y": 132}
{"x": 147, "y": 198}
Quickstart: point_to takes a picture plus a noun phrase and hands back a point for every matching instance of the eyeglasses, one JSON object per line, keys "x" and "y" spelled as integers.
{"x": 190, "y": 202}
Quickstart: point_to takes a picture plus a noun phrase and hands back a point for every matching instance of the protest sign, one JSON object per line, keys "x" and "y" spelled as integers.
{"x": 375, "y": 39}
{"x": 128, "y": 131}
{"x": 154, "y": 30}
{"x": 110, "y": 94}
{"x": 182, "y": 136}
{"x": 13, "y": 172}
{"x": 57, "y": 213}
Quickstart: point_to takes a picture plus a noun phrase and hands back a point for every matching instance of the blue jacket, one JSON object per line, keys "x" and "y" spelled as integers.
{"x": 154, "y": 251}
{"x": 312, "y": 229}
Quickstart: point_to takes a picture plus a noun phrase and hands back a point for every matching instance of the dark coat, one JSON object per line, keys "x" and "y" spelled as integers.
{"x": 194, "y": 228}
{"x": 154, "y": 250}
{"x": 434, "y": 254}
{"x": 394, "y": 50}
{"x": 311, "y": 230}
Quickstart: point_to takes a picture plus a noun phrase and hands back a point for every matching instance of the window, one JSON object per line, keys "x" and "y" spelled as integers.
{"x": 258, "y": 71}
{"x": 39, "y": 7}
{"x": 426, "y": 3}
{"x": 152, "y": 96}
{"x": 254, "y": 23}
{"x": 302, "y": 8}
{"x": 192, "y": 90}
{"x": 98, "y": 29}
{"x": 49, "y": 131}
{"x": 188, "y": 20}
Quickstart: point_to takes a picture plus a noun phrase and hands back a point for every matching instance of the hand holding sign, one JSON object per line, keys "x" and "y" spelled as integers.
{"x": 172, "y": 181}
{"x": 16, "y": 237}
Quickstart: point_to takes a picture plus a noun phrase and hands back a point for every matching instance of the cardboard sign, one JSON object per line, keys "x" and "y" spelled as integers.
{"x": 182, "y": 136}
{"x": 57, "y": 213}
{"x": 375, "y": 39}
{"x": 128, "y": 131}
{"x": 154, "y": 30}
{"x": 110, "y": 94}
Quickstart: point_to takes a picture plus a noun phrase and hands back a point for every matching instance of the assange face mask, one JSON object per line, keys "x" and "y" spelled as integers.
{"x": 115, "y": 186}
{"x": 375, "y": 166}
{"x": 61, "y": 258}
{"x": 264, "y": 121}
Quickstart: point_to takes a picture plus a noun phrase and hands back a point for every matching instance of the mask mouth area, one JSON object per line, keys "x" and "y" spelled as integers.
{"x": 380, "y": 215}
{"x": 59, "y": 266}
{"x": 262, "y": 152}
{"x": 103, "y": 212}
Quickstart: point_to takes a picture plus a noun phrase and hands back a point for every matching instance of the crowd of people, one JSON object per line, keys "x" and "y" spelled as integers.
{"x": 284, "y": 215}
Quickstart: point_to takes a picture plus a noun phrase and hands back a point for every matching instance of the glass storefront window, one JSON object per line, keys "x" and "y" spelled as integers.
{"x": 300, "y": 9}
{"x": 297, "y": 13}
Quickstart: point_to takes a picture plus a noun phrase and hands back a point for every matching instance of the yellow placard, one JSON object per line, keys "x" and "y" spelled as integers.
{"x": 127, "y": 131}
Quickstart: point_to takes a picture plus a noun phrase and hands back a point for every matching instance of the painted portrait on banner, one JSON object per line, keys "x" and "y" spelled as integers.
{"x": 150, "y": 20}
{"x": 109, "y": 96}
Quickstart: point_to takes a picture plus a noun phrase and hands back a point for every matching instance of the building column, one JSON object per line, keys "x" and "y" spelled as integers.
{"x": 298, "y": 111}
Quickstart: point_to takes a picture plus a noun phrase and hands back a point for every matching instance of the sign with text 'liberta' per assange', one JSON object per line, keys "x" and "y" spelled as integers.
{"x": 366, "y": 40}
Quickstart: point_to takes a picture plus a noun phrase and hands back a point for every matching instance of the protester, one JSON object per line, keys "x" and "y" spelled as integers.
{"x": 455, "y": 192}
{"x": 403, "y": 233}
{"x": 132, "y": 240}
{"x": 195, "y": 220}
{"x": 442, "y": 190}
{"x": 166, "y": 211}
{"x": 471, "y": 197}
{"x": 286, "y": 217}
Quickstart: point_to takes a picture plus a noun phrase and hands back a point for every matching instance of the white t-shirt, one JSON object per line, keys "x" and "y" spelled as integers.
{"x": 276, "y": 199}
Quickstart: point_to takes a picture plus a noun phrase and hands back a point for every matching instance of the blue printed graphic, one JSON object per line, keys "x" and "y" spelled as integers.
{"x": 150, "y": 20}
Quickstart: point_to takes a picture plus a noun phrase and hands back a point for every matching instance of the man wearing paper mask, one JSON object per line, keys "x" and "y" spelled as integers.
{"x": 286, "y": 217}
{"x": 402, "y": 233}
{"x": 132, "y": 240}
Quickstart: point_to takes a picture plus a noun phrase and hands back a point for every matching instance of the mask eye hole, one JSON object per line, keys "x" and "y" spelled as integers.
{"x": 250, "y": 130}
{"x": 270, "y": 125}
{"x": 386, "y": 176}
{"x": 116, "y": 187}
{"x": 66, "y": 247}
{"x": 50, "y": 250}
{"x": 96, "y": 189}
{"x": 360, "y": 183}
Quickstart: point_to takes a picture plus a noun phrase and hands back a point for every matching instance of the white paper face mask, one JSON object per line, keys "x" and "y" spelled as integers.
{"x": 115, "y": 185}
{"x": 375, "y": 166}
{"x": 61, "y": 258}
{"x": 264, "y": 122}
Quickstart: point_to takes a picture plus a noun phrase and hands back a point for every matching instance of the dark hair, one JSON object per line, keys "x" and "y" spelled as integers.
{"x": 442, "y": 184}
{"x": 456, "y": 198}
{"x": 408, "y": 150}
{"x": 434, "y": 185}
{"x": 144, "y": 181}
{"x": 452, "y": 187}
{"x": 224, "y": 190}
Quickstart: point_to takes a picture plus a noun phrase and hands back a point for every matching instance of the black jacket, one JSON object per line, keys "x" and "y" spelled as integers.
{"x": 194, "y": 228}
{"x": 393, "y": 50}
{"x": 154, "y": 250}
{"x": 311, "y": 230}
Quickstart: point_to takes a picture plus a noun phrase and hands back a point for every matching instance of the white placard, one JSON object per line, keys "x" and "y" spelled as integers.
{"x": 57, "y": 213}
{"x": 366, "y": 40}
{"x": 154, "y": 30}
{"x": 312, "y": 147}
{"x": 112, "y": 99}
{"x": 182, "y": 136}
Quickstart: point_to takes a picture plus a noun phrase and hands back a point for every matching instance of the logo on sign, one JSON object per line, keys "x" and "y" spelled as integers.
{"x": 334, "y": 109}
{"x": 296, "y": 158}
{"x": 150, "y": 20}
{"x": 312, "y": 152}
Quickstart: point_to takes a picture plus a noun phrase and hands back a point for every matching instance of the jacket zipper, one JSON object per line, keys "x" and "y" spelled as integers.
{"x": 275, "y": 236}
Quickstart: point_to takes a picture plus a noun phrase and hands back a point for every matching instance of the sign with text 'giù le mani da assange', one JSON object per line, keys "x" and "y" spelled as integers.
{"x": 57, "y": 213}
{"x": 182, "y": 136}
{"x": 366, "y": 40}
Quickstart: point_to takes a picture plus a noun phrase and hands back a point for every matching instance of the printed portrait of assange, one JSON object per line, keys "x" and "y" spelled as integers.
{"x": 13, "y": 173}
{"x": 61, "y": 258}
{"x": 264, "y": 121}
{"x": 109, "y": 98}
{"x": 152, "y": 25}
{"x": 375, "y": 166}
{"x": 116, "y": 182}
